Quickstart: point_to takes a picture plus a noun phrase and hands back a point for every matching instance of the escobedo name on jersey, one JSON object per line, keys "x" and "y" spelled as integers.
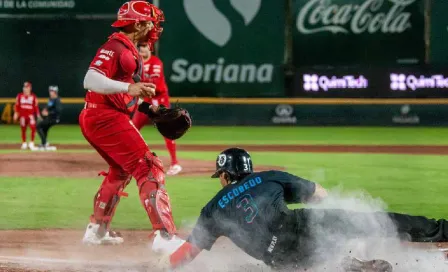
{"x": 235, "y": 192}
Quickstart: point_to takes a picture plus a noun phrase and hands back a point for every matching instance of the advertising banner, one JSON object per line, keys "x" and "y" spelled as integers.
{"x": 371, "y": 82}
{"x": 60, "y": 6}
{"x": 290, "y": 114}
{"x": 223, "y": 48}
{"x": 343, "y": 32}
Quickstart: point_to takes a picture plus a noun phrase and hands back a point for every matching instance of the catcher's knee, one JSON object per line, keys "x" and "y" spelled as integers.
{"x": 149, "y": 168}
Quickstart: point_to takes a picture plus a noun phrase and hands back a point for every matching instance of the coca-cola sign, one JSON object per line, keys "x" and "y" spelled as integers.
{"x": 368, "y": 16}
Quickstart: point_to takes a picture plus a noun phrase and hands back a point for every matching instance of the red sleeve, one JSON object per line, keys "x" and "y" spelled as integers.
{"x": 184, "y": 254}
{"x": 105, "y": 62}
{"x": 36, "y": 106}
{"x": 17, "y": 105}
{"x": 157, "y": 75}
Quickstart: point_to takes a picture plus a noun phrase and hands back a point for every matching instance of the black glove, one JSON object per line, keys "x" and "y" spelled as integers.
{"x": 172, "y": 123}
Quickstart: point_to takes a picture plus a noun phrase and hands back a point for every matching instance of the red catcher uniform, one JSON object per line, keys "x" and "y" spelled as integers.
{"x": 27, "y": 108}
{"x": 106, "y": 124}
{"x": 153, "y": 72}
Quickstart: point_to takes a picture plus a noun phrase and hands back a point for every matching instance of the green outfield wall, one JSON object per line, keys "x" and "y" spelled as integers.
{"x": 291, "y": 112}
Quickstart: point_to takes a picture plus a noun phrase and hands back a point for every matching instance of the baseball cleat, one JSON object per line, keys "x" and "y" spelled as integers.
{"x": 351, "y": 264}
{"x": 174, "y": 170}
{"x": 32, "y": 146}
{"x": 24, "y": 146}
{"x": 165, "y": 243}
{"x": 50, "y": 148}
{"x": 91, "y": 237}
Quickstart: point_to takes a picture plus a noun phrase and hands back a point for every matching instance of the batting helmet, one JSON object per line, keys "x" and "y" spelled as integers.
{"x": 235, "y": 161}
{"x": 134, "y": 12}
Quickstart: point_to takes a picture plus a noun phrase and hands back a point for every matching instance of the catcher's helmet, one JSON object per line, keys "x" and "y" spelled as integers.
{"x": 134, "y": 12}
{"x": 235, "y": 161}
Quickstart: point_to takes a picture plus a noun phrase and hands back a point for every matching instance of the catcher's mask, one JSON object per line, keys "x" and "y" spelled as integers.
{"x": 235, "y": 161}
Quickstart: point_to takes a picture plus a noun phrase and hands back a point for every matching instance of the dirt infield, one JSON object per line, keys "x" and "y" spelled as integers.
{"x": 61, "y": 250}
{"x": 382, "y": 149}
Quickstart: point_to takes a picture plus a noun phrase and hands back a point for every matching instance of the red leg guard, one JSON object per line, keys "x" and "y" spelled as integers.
{"x": 108, "y": 196}
{"x": 153, "y": 195}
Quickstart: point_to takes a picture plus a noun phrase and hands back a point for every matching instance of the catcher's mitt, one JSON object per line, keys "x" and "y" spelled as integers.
{"x": 172, "y": 123}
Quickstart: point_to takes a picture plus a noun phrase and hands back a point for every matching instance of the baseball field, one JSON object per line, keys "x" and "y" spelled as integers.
{"x": 46, "y": 197}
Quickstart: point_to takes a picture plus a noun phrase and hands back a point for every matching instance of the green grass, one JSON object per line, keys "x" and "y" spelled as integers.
{"x": 409, "y": 184}
{"x": 265, "y": 135}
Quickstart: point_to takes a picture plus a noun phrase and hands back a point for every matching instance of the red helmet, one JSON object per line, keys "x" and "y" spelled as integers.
{"x": 134, "y": 12}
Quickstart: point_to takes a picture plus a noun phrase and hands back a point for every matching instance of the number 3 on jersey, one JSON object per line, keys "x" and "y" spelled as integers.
{"x": 247, "y": 203}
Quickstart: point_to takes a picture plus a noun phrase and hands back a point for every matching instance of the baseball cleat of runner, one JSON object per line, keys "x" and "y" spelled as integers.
{"x": 351, "y": 264}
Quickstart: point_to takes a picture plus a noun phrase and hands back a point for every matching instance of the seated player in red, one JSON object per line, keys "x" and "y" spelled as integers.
{"x": 153, "y": 69}
{"x": 26, "y": 110}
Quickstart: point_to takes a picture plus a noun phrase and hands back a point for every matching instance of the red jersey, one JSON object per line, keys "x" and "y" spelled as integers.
{"x": 153, "y": 69}
{"x": 117, "y": 59}
{"x": 26, "y": 105}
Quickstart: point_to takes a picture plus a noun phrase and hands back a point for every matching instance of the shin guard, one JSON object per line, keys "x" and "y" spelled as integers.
{"x": 108, "y": 196}
{"x": 153, "y": 195}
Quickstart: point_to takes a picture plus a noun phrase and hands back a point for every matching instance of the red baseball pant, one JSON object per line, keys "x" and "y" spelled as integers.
{"x": 25, "y": 121}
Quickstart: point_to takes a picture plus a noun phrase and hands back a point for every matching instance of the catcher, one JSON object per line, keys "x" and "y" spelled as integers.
{"x": 114, "y": 91}
{"x": 251, "y": 210}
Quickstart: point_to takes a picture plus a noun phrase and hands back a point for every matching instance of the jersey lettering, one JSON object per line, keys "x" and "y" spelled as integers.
{"x": 235, "y": 192}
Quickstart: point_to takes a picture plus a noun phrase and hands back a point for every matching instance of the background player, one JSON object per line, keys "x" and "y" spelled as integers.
{"x": 26, "y": 110}
{"x": 153, "y": 69}
{"x": 252, "y": 211}
{"x": 113, "y": 94}
{"x": 51, "y": 116}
